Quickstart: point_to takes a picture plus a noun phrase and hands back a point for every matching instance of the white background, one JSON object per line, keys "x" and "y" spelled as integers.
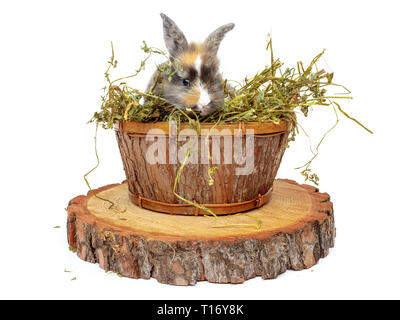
{"x": 53, "y": 56}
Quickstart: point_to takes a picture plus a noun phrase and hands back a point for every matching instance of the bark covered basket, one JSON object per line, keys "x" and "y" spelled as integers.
{"x": 151, "y": 186}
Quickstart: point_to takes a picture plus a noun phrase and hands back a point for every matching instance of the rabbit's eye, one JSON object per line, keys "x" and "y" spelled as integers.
{"x": 186, "y": 82}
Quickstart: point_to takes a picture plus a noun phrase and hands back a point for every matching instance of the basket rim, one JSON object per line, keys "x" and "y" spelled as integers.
{"x": 267, "y": 127}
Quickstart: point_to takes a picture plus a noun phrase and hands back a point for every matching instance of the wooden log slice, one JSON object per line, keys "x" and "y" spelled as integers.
{"x": 293, "y": 232}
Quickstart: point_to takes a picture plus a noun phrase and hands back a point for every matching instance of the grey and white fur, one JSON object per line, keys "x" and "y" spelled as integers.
{"x": 196, "y": 82}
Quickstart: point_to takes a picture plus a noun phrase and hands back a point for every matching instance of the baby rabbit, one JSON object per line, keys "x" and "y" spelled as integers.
{"x": 194, "y": 81}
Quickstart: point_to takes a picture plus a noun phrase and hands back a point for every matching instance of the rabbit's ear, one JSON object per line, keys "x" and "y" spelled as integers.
{"x": 214, "y": 39}
{"x": 173, "y": 36}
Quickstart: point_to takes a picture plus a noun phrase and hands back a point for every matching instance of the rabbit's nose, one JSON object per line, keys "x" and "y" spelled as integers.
{"x": 204, "y": 98}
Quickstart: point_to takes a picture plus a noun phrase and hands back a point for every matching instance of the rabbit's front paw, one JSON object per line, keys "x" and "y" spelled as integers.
{"x": 208, "y": 110}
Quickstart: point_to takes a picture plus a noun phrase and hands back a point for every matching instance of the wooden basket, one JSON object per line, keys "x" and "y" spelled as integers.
{"x": 151, "y": 186}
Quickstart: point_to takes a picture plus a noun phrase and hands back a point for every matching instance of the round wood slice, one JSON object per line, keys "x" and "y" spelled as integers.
{"x": 293, "y": 232}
